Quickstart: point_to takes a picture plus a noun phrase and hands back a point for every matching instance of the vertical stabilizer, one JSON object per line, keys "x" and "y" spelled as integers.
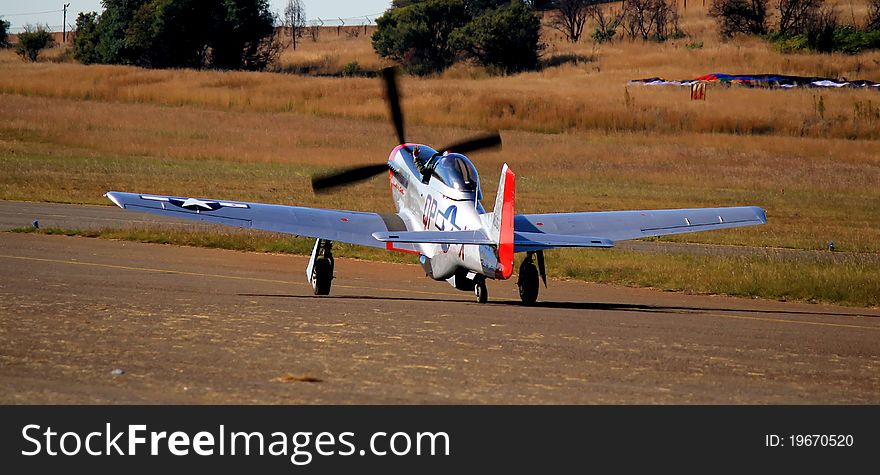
{"x": 501, "y": 231}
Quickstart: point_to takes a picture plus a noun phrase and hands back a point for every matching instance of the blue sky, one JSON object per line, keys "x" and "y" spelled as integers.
{"x": 11, "y": 10}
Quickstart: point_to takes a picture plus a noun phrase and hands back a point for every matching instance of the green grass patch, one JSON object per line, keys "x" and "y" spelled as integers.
{"x": 767, "y": 274}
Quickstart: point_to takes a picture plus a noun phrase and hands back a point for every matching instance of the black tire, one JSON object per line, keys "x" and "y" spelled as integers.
{"x": 322, "y": 276}
{"x": 528, "y": 283}
{"x": 481, "y": 291}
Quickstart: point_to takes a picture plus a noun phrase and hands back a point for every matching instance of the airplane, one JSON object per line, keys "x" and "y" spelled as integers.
{"x": 440, "y": 217}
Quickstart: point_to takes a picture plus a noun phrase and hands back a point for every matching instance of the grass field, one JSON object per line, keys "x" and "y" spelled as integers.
{"x": 578, "y": 137}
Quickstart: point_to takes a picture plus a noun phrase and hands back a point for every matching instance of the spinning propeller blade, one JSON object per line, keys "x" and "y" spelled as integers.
{"x": 482, "y": 142}
{"x": 393, "y": 98}
{"x": 392, "y": 95}
{"x": 348, "y": 176}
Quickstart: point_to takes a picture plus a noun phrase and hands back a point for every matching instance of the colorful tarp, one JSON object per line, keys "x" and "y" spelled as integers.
{"x": 762, "y": 80}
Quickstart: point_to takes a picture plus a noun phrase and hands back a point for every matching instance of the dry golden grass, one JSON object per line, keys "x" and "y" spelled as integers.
{"x": 815, "y": 190}
{"x": 332, "y": 52}
{"x": 572, "y": 98}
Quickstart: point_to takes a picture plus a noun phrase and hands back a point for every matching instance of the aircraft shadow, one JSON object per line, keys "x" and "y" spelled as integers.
{"x": 620, "y": 307}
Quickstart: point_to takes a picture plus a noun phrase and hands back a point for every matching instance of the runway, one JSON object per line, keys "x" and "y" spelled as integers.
{"x": 189, "y": 325}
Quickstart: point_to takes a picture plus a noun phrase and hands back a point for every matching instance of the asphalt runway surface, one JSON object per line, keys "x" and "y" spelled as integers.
{"x": 189, "y": 325}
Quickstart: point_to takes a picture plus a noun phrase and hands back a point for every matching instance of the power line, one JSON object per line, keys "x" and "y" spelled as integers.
{"x": 30, "y": 13}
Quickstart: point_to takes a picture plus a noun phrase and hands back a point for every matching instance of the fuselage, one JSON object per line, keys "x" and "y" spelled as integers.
{"x": 449, "y": 201}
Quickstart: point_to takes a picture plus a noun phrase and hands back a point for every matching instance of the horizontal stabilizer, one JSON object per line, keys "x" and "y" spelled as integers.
{"x": 435, "y": 237}
{"x": 536, "y": 241}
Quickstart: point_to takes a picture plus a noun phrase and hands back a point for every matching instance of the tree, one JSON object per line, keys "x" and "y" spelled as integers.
{"x": 4, "y": 33}
{"x": 543, "y": 5}
{"x": 33, "y": 40}
{"x": 650, "y": 19}
{"x": 294, "y": 20}
{"x": 112, "y": 47}
{"x": 243, "y": 36}
{"x": 740, "y": 16}
{"x": 506, "y": 38}
{"x": 606, "y": 22}
{"x": 417, "y": 36}
{"x": 86, "y": 40}
{"x": 221, "y": 34}
{"x": 570, "y": 18}
{"x": 873, "y": 20}
{"x": 796, "y": 15}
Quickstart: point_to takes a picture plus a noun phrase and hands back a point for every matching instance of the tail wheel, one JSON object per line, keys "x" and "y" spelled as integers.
{"x": 322, "y": 276}
{"x": 481, "y": 291}
{"x": 528, "y": 282}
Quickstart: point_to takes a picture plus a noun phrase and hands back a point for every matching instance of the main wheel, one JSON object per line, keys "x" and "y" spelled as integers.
{"x": 481, "y": 292}
{"x": 528, "y": 283}
{"x": 322, "y": 276}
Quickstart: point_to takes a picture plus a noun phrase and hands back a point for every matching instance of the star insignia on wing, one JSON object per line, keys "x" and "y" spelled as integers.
{"x": 195, "y": 204}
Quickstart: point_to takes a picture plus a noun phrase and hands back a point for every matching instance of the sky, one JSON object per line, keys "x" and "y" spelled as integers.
{"x": 49, "y": 11}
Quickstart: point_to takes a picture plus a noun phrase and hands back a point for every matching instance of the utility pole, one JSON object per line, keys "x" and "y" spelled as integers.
{"x": 64, "y": 25}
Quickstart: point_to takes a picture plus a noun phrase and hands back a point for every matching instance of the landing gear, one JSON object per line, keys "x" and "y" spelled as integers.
{"x": 322, "y": 268}
{"x": 528, "y": 284}
{"x": 481, "y": 291}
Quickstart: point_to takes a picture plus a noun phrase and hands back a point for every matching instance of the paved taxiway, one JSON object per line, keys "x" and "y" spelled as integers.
{"x": 192, "y": 325}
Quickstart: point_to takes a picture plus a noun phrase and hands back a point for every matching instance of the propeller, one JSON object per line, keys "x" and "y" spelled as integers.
{"x": 481, "y": 142}
{"x": 393, "y": 98}
{"x": 325, "y": 183}
{"x": 348, "y": 176}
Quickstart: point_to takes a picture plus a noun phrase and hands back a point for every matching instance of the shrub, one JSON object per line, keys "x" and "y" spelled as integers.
{"x": 33, "y": 40}
{"x": 351, "y": 69}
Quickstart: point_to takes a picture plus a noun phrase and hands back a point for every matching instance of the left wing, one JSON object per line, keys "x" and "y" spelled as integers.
{"x": 353, "y": 227}
{"x": 624, "y": 225}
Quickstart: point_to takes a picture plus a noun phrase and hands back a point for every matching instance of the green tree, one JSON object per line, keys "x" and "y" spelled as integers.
{"x": 417, "y": 36}
{"x": 113, "y": 25}
{"x": 243, "y": 35}
{"x": 85, "y": 43}
{"x": 222, "y": 34}
{"x": 4, "y": 33}
{"x": 33, "y": 40}
{"x": 506, "y": 39}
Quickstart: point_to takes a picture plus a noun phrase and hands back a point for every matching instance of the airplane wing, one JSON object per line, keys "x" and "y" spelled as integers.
{"x": 624, "y": 225}
{"x": 335, "y": 225}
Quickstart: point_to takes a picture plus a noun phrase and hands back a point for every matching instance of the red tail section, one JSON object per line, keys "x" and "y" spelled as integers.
{"x": 503, "y": 223}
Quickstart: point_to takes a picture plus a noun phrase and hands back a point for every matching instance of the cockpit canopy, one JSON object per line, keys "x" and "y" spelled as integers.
{"x": 457, "y": 172}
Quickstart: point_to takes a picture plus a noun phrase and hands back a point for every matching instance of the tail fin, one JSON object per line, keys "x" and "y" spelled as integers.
{"x": 501, "y": 231}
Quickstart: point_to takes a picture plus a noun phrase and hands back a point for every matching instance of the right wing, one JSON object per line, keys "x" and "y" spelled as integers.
{"x": 544, "y": 229}
{"x": 353, "y": 227}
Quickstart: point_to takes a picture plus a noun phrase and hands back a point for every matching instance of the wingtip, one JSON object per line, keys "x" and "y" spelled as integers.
{"x": 762, "y": 215}
{"x": 111, "y": 195}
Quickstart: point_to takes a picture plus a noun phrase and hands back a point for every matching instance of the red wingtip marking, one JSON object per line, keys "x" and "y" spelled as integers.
{"x": 505, "y": 244}
{"x": 390, "y": 247}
